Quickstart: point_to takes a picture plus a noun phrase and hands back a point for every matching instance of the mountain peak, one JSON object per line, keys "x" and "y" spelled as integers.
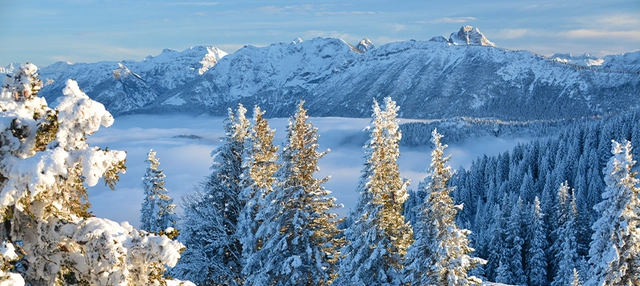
{"x": 212, "y": 56}
{"x": 470, "y": 36}
{"x": 583, "y": 59}
{"x": 365, "y": 45}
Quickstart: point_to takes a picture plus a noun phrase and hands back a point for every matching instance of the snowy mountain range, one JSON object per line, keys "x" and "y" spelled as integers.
{"x": 464, "y": 75}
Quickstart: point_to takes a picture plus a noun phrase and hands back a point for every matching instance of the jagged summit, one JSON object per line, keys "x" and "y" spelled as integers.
{"x": 583, "y": 59}
{"x": 434, "y": 79}
{"x": 469, "y": 36}
{"x": 365, "y": 45}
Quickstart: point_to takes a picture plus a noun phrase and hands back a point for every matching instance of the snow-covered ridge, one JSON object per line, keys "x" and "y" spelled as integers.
{"x": 465, "y": 75}
{"x": 584, "y": 59}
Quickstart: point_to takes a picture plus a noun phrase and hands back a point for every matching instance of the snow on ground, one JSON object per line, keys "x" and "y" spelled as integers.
{"x": 186, "y": 159}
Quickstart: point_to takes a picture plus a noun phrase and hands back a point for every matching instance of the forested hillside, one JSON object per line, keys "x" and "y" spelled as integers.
{"x": 518, "y": 204}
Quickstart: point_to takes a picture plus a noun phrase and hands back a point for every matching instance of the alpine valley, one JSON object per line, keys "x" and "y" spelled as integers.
{"x": 464, "y": 75}
{"x": 544, "y": 192}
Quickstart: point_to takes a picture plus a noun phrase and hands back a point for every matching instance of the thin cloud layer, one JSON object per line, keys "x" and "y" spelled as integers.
{"x": 447, "y": 20}
{"x": 186, "y": 159}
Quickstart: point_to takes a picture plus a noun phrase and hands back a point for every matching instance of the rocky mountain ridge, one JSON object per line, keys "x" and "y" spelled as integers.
{"x": 465, "y": 75}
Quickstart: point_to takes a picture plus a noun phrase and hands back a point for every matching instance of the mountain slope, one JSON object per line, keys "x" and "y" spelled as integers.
{"x": 464, "y": 75}
{"x": 129, "y": 85}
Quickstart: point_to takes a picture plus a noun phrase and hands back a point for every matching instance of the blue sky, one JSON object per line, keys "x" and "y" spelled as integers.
{"x": 44, "y": 32}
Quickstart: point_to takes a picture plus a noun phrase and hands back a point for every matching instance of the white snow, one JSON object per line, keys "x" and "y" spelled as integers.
{"x": 174, "y": 100}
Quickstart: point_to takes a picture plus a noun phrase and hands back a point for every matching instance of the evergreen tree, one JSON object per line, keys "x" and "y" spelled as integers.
{"x": 46, "y": 166}
{"x": 157, "y": 214}
{"x": 615, "y": 248}
{"x": 213, "y": 255}
{"x": 497, "y": 244}
{"x": 576, "y": 278}
{"x": 535, "y": 257}
{"x": 565, "y": 246}
{"x": 258, "y": 178}
{"x": 440, "y": 253}
{"x": 514, "y": 247}
{"x": 379, "y": 236}
{"x": 300, "y": 239}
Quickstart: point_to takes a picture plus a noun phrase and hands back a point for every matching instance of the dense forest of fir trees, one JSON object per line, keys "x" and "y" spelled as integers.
{"x": 533, "y": 211}
{"x": 560, "y": 211}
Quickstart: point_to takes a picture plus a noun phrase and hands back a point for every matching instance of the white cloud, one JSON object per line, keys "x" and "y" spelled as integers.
{"x": 195, "y": 3}
{"x": 447, "y": 20}
{"x": 186, "y": 162}
{"x": 344, "y": 13}
{"x": 619, "y": 20}
{"x": 286, "y": 9}
{"x": 602, "y": 34}
{"x": 511, "y": 33}
{"x": 398, "y": 27}
{"x": 327, "y": 34}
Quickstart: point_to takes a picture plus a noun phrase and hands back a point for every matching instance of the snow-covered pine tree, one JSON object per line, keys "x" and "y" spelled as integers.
{"x": 157, "y": 213}
{"x": 615, "y": 248}
{"x": 496, "y": 258}
{"x": 261, "y": 163}
{"x": 514, "y": 248}
{"x": 535, "y": 254}
{"x": 576, "y": 278}
{"x": 46, "y": 166}
{"x": 301, "y": 241}
{"x": 379, "y": 236}
{"x": 565, "y": 246}
{"x": 213, "y": 255}
{"x": 440, "y": 253}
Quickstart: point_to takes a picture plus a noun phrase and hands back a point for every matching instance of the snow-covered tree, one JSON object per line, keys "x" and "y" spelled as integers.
{"x": 514, "y": 246}
{"x": 46, "y": 166}
{"x": 300, "y": 239}
{"x": 213, "y": 255}
{"x": 535, "y": 253}
{"x": 157, "y": 213}
{"x": 496, "y": 260}
{"x": 615, "y": 248}
{"x": 576, "y": 278}
{"x": 565, "y": 246}
{"x": 261, "y": 157}
{"x": 440, "y": 253}
{"x": 379, "y": 236}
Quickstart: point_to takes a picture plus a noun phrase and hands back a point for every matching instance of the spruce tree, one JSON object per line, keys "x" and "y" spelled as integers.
{"x": 213, "y": 254}
{"x": 576, "y": 278}
{"x": 565, "y": 246}
{"x": 261, "y": 163}
{"x": 379, "y": 236}
{"x": 497, "y": 262}
{"x": 46, "y": 166}
{"x": 535, "y": 256}
{"x": 615, "y": 248}
{"x": 513, "y": 258}
{"x": 440, "y": 253}
{"x": 157, "y": 214}
{"x": 300, "y": 239}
